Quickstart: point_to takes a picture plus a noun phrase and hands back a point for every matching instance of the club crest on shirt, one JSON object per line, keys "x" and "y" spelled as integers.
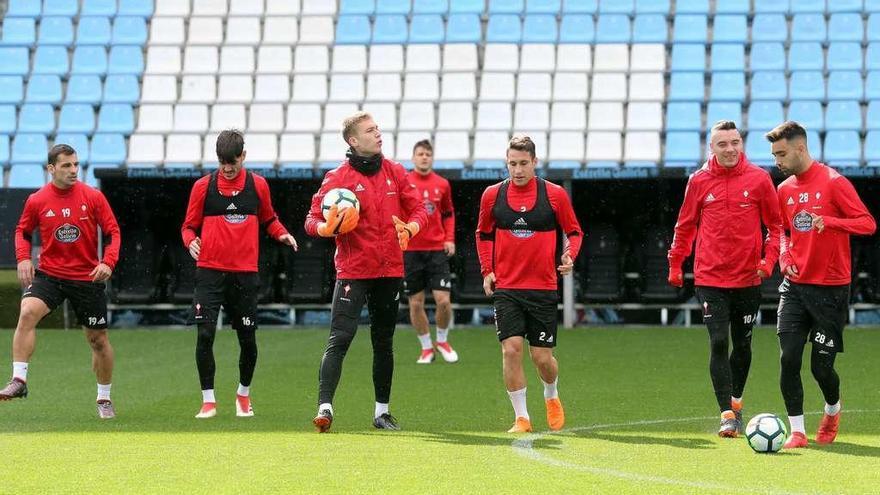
{"x": 802, "y": 221}
{"x": 429, "y": 206}
{"x": 67, "y": 233}
{"x": 521, "y": 229}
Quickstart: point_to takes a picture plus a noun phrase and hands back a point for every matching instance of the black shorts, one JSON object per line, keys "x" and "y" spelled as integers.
{"x": 88, "y": 299}
{"x": 735, "y": 307}
{"x": 819, "y": 312}
{"x": 526, "y": 313}
{"x": 426, "y": 270}
{"x": 235, "y": 291}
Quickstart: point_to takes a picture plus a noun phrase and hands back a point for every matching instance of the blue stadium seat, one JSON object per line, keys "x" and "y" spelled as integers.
{"x": 765, "y": 115}
{"x": 579, "y": 7}
{"x": 504, "y": 28}
{"x": 51, "y": 60}
{"x": 103, "y": 8}
{"x": 872, "y": 116}
{"x": 23, "y": 8}
{"x": 29, "y": 148}
{"x": 543, "y": 6}
{"x": 129, "y": 31}
{"x": 872, "y": 85}
{"x": 730, "y": 29}
{"x": 67, "y": 8}
{"x": 613, "y": 28}
{"x": 809, "y": 27}
{"x": 769, "y": 27}
{"x": 845, "y": 27}
{"x": 467, "y": 6}
{"x": 426, "y": 28}
{"x": 723, "y": 110}
{"x": 489, "y": 164}
{"x": 122, "y": 88}
{"x": 84, "y": 89}
{"x": 439, "y": 164}
{"x": 89, "y": 60}
{"x": 11, "y": 89}
{"x": 691, "y": 7}
{"x": 845, "y": 6}
{"x": 767, "y": 56}
{"x": 728, "y": 86}
{"x": 27, "y": 176}
{"x": 873, "y": 30}
{"x": 845, "y": 55}
{"x": 806, "y": 56}
{"x": 93, "y": 31}
{"x": 686, "y": 86}
{"x": 757, "y": 148}
{"x": 355, "y": 7}
{"x": 36, "y": 118}
{"x": 872, "y": 148}
{"x": 138, "y": 8}
{"x": 108, "y": 149}
{"x": 808, "y": 6}
{"x": 845, "y": 85}
{"x": 79, "y": 142}
{"x": 76, "y": 118}
{"x": 806, "y": 85}
{"x": 843, "y": 115}
{"x": 682, "y": 149}
{"x": 576, "y": 28}
{"x": 4, "y": 150}
{"x": 688, "y": 57}
{"x": 7, "y": 119}
{"x": 814, "y": 143}
{"x": 732, "y": 7}
{"x": 809, "y": 113}
{"x": 393, "y": 7}
{"x": 650, "y": 28}
{"x": 430, "y": 6}
{"x": 116, "y": 118}
{"x": 19, "y": 31}
{"x": 872, "y": 56}
{"x": 769, "y": 85}
{"x": 126, "y": 60}
{"x": 539, "y": 28}
{"x": 353, "y": 30}
{"x": 506, "y": 6}
{"x": 616, "y": 7}
{"x": 564, "y": 165}
{"x": 728, "y": 56}
{"x": 15, "y": 61}
{"x": 56, "y": 31}
{"x": 684, "y": 116}
{"x": 43, "y": 89}
{"x": 842, "y": 148}
{"x": 463, "y": 28}
{"x": 389, "y": 29}
{"x": 689, "y": 28}
{"x": 652, "y": 7}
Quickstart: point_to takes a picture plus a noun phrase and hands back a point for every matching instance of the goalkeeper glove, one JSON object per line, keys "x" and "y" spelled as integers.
{"x": 405, "y": 231}
{"x": 339, "y": 221}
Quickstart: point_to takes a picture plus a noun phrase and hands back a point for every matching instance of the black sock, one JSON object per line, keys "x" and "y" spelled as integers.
{"x": 822, "y": 366}
{"x": 247, "y": 357}
{"x": 205, "y": 354}
{"x": 792, "y": 352}
{"x": 719, "y": 364}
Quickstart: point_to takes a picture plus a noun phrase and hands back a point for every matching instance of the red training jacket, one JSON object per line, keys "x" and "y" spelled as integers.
{"x": 723, "y": 209}
{"x": 437, "y": 196}
{"x": 68, "y": 221}
{"x": 370, "y": 250}
{"x": 821, "y": 258}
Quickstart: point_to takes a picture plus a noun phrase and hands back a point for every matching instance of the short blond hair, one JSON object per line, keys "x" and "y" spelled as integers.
{"x": 349, "y": 125}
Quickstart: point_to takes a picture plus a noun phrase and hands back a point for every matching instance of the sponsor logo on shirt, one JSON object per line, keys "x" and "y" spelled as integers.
{"x": 521, "y": 229}
{"x": 710, "y": 197}
{"x": 235, "y": 218}
{"x": 67, "y": 233}
{"x": 359, "y": 188}
{"x": 231, "y": 206}
{"x": 50, "y": 214}
{"x": 802, "y": 221}
{"x": 790, "y": 201}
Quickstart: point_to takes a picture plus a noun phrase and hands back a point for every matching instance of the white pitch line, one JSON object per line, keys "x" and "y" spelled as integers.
{"x": 525, "y": 447}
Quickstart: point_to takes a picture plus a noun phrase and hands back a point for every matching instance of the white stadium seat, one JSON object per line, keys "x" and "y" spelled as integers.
{"x": 167, "y": 31}
{"x": 452, "y": 145}
{"x": 385, "y": 114}
{"x": 335, "y": 113}
{"x": 155, "y": 119}
{"x": 604, "y": 146}
{"x": 531, "y": 115}
{"x": 458, "y": 86}
{"x": 171, "y": 8}
{"x": 209, "y": 8}
{"x": 386, "y": 58}
{"x": 490, "y": 145}
{"x": 570, "y": 86}
{"x": 200, "y": 60}
{"x": 406, "y": 141}
{"x": 421, "y": 87}
{"x": 227, "y": 116}
{"x": 183, "y": 148}
{"x": 384, "y": 87}
{"x": 190, "y": 118}
{"x": 303, "y": 117}
{"x": 501, "y": 57}
{"x": 205, "y": 31}
{"x": 647, "y": 86}
{"x": 311, "y": 60}
{"x": 309, "y": 88}
{"x": 349, "y": 58}
{"x": 235, "y": 89}
{"x": 644, "y": 116}
{"x": 568, "y": 116}
{"x": 261, "y": 148}
{"x": 574, "y": 58}
{"x": 243, "y": 31}
{"x": 297, "y": 148}
{"x": 534, "y": 86}
{"x": 642, "y": 146}
{"x": 455, "y": 116}
{"x": 266, "y": 117}
{"x": 422, "y": 58}
{"x": 273, "y": 7}
{"x": 198, "y": 89}
{"x": 237, "y": 60}
{"x": 279, "y": 30}
{"x": 537, "y": 58}
{"x": 316, "y": 30}
{"x": 347, "y": 87}
{"x": 417, "y": 116}
{"x": 611, "y": 58}
{"x": 609, "y": 86}
{"x": 497, "y": 86}
{"x": 272, "y": 88}
{"x": 566, "y": 145}
{"x": 274, "y": 60}
{"x": 146, "y": 149}
{"x": 318, "y": 7}
{"x": 255, "y": 7}
{"x": 648, "y": 58}
{"x": 459, "y": 57}
{"x": 159, "y": 89}
{"x": 605, "y": 116}
{"x": 163, "y": 60}
{"x": 494, "y": 116}
{"x": 331, "y": 147}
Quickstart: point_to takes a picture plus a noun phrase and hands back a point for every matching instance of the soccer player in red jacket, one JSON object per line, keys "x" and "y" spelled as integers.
{"x": 222, "y": 232}
{"x": 725, "y": 204}
{"x": 516, "y": 242}
{"x": 67, "y": 214}
{"x": 369, "y": 259}
{"x": 426, "y": 260}
{"x": 820, "y": 210}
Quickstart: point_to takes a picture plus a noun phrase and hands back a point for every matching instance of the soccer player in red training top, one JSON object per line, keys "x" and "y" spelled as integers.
{"x": 222, "y": 231}
{"x": 427, "y": 258}
{"x": 725, "y": 203}
{"x": 820, "y": 210}
{"x": 369, "y": 260}
{"x": 68, "y": 215}
{"x": 516, "y": 241}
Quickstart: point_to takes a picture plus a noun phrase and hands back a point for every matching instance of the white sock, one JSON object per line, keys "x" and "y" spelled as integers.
{"x": 104, "y": 392}
{"x": 518, "y": 400}
{"x": 243, "y": 391}
{"x": 442, "y": 335}
{"x": 327, "y": 406}
{"x": 832, "y": 410}
{"x": 797, "y": 424}
{"x": 425, "y": 339}
{"x": 380, "y": 409}
{"x": 208, "y": 396}
{"x": 19, "y": 370}
{"x": 550, "y": 391}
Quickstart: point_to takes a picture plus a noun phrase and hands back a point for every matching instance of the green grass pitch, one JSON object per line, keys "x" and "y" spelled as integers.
{"x": 640, "y": 414}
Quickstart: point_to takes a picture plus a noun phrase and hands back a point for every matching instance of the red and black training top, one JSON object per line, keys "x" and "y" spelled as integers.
{"x": 517, "y": 229}
{"x": 437, "y": 196}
